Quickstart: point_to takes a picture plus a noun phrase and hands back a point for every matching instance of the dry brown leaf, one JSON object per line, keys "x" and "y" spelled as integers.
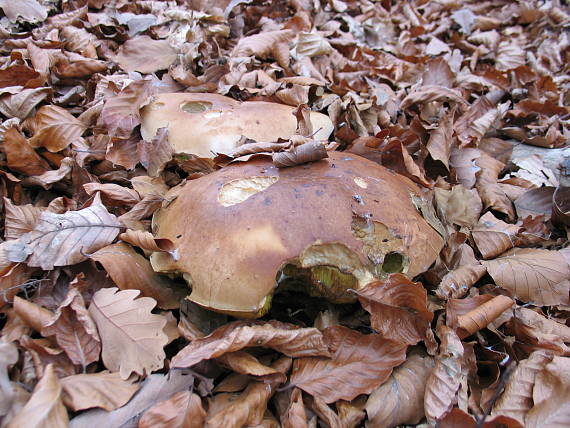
{"x": 121, "y": 113}
{"x": 440, "y": 139}
{"x": 32, "y": 314}
{"x": 249, "y": 407}
{"x": 65, "y": 239}
{"x": 516, "y": 399}
{"x": 550, "y": 395}
{"x": 460, "y": 206}
{"x": 261, "y": 45}
{"x": 491, "y": 193}
{"x": 155, "y": 387}
{"x": 285, "y": 338}
{"x": 147, "y": 241}
{"x": 8, "y": 357}
{"x": 480, "y": 317}
{"x": 456, "y": 283}
{"x": 295, "y": 416}
{"x": 21, "y": 157}
{"x": 444, "y": 381}
{"x": 400, "y": 400}
{"x": 155, "y": 154}
{"x": 429, "y": 93}
{"x": 132, "y": 337}
{"x": 145, "y": 55}
{"x": 50, "y": 177}
{"x": 493, "y": 236}
{"x": 561, "y": 206}
{"x": 56, "y": 128}
{"x": 113, "y": 194}
{"x": 131, "y": 271}
{"x": 74, "y": 330}
{"x": 26, "y": 10}
{"x": 535, "y": 202}
{"x": 45, "y": 408}
{"x": 19, "y": 219}
{"x": 457, "y": 307}
{"x": 308, "y": 152}
{"x": 182, "y": 410}
{"x": 360, "y": 364}
{"x": 103, "y": 389}
{"x": 143, "y": 209}
{"x": 530, "y": 327}
{"x": 398, "y": 308}
{"x": 463, "y": 161}
{"x": 532, "y": 275}
{"x": 245, "y": 363}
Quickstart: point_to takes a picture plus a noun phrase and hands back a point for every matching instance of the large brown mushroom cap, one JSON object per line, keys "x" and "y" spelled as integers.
{"x": 341, "y": 219}
{"x": 204, "y": 124}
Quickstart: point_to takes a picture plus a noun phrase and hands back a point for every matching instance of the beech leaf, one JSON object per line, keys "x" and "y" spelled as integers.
{"x": 105, "y": 390}
{"x": 532, "y": 275}
{"x": 285, "y": 338}
{"x": 56, "y": 128}
{"x": 182, "y": 410}
{"x": 65, "y": 239}
{"x": 132, "y": 337}
{"x": 74, "y": 330}
{"x": 359, "y": 364}
{"x": 400, "y": 400}
{"x": 308, "y": 152}
{"x": 146, "y": 55}
{"x": 45, "y": 408}
{"x": 131, "y": 271}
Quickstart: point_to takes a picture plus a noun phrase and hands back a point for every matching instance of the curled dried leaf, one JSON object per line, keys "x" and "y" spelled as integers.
{"x": 482, "y": 316}
{"x": 147, "y": 241}
{"x": 308, "y": 152}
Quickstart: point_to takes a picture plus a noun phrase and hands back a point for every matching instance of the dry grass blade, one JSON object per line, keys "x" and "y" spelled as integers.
{"x": 66, "y": 239}
{"x": 132, "y": 337}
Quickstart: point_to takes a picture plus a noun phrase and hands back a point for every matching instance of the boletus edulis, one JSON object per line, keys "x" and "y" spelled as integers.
{"x": 206, "y": 124}
{"x": 335, "y": 224}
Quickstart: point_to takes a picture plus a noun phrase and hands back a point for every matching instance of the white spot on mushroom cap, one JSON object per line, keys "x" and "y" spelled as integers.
{"x": 236, "y": 191}
{"x": 361, "y": 182}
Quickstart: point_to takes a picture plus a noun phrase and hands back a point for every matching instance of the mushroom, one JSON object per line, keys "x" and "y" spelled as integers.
{"x": 206, "y": 124}
{"x": 335, "y": 224}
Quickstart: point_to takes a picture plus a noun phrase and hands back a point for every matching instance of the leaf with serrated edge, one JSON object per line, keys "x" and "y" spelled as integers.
{"x": 532, "y": 275}
{"x": 64, "y": 239}
{"x": 360, "y": 364}
{"x": 45, "y": 408}
{"x": 132, "y": 337}
{"x": 105, "y": 390}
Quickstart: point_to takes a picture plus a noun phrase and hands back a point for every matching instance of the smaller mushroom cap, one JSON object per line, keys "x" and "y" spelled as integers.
{"x": 343, "y": 221}
{"x": 205, "y": 124}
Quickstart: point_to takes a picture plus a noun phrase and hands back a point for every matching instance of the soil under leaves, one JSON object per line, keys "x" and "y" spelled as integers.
{"x": 467, "y": 99}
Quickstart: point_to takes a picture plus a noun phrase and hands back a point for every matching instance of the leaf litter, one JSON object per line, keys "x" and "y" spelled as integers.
{"x": 470, "y": 100}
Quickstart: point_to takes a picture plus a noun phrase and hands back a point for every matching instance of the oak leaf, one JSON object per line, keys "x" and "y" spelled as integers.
{"x": 360, "y": 364}
{"x": 131, "y": 336}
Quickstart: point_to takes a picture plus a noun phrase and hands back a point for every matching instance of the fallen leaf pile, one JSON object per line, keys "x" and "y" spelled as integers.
{"x": 470, "y": 100}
